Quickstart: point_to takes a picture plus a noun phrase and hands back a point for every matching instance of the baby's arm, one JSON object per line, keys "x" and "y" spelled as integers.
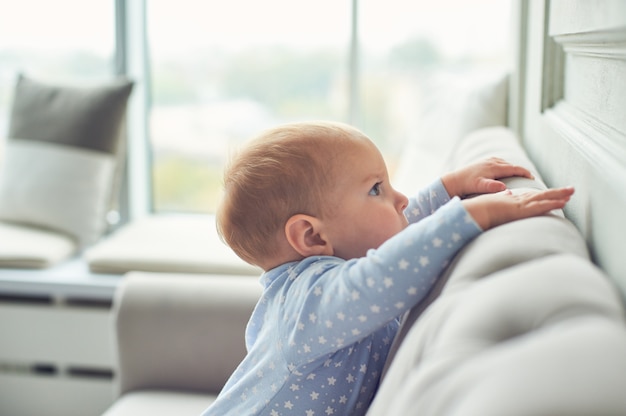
{"x": 495, "y": 209}
{"x": 426, "y": 202}
{"x": 481, "y": 177}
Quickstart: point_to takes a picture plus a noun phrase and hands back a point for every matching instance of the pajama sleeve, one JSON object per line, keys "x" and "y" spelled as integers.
{"x": 426, "y": 201}
{"x": 357, "y": 297}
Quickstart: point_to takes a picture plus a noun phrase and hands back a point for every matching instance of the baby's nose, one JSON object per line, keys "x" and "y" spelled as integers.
{"x": 402, "y": 201}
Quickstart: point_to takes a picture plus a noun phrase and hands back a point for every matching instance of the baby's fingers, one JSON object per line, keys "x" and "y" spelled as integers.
{"x": 502, "y": 169}
{"x": 546, "y": 201}
{"x": 554, "y": 194}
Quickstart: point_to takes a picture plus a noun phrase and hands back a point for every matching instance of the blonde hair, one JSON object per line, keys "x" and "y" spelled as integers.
{"x": 280, "y": 173}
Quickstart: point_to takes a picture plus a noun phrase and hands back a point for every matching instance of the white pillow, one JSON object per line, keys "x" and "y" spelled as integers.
{"x": 454, "y": 106}
{"x": 58, "y": 187}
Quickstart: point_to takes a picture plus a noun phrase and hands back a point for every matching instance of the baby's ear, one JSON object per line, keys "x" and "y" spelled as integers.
{"x": 304, "y": 234}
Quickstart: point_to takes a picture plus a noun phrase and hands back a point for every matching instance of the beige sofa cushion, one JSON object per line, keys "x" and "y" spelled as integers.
{"x": 30, "y": 247}
{"x": 160, "y": 403}
{"x": 181, "y": 331}
{"x": 167, "y": 244}
{"x": 179, "y": 337}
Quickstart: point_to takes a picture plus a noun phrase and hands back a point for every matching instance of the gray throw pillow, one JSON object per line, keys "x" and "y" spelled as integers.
{"x": 61, "y": 156}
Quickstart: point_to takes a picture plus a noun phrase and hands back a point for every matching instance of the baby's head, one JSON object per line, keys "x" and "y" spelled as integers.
{"x": 284, "y": 192}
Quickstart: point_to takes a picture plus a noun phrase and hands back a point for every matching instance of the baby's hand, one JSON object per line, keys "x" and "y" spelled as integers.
{"x": 481, "y": 177}
{"x": 495, "y": 209}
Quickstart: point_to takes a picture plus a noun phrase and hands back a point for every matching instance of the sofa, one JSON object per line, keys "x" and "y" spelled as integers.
{"x": 521, "y": 323}
{"x": 179, "y": 337}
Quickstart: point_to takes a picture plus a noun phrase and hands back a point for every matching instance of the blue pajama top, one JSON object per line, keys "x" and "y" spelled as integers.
{"x": 319, "y": 336}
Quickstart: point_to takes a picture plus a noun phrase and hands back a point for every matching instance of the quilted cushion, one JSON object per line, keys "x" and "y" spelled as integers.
{"x": 534, "y": 339}
{"x": 522, "y": 323}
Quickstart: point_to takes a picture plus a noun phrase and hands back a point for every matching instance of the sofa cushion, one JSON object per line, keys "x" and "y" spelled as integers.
{"x": 31, "y": 247}
{"x": 496, "y": 141}
{"x": 521, "y": 322}
{"x": 167, "y": 243}
{"x": 160, "y": 403}
{"x": 537, "y": 338}
{"x": 181, "y": 331}
{"x": 61, "y": 156}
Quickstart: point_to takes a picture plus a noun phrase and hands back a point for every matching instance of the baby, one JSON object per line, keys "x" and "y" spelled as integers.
{"x": 345, "y": 256}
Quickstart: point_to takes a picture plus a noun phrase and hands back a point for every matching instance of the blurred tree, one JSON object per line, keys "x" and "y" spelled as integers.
{"x": 417, "y": 53}
{"x": 281, "y": 79}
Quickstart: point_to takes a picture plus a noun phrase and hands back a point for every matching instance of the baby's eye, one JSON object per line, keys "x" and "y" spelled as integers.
{"x": 375, "y": 191}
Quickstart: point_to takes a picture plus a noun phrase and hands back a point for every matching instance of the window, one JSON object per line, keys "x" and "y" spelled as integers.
{"x": 219, "y": 72}
{"x": 408, "y": 48}
{"x": 222, "y": 71}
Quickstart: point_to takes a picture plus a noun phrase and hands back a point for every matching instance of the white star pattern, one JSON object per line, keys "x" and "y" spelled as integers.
{"x": 375, "y": 308}
{"x": 330, "y": 410}
{"x": 403, "y": 264}
{"x": 292, "y": 274}
{"x": 388, "y": 282}
{"x": 437, "y": 242}
{"x": 424, "y": 261}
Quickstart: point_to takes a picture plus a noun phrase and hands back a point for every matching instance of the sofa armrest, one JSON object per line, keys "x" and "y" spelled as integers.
{"x": 181, "y": 332}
